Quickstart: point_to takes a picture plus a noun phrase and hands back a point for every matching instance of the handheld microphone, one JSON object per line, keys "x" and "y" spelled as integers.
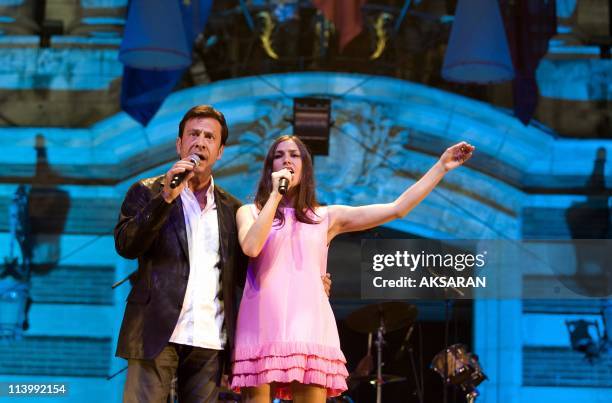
{"x": 179, "y": 177}
{"x": 400, "y": 352}
{"x": 283, "y": 184}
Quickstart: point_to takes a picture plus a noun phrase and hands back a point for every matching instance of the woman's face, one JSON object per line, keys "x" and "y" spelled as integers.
{"x": 287, "y": 155}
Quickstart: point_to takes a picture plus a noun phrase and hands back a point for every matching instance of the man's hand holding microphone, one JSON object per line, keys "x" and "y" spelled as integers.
{"x": 178, "y": 176}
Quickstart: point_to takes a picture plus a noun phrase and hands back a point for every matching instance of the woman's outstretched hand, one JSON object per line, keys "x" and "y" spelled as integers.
{"x": 456, "y": 155}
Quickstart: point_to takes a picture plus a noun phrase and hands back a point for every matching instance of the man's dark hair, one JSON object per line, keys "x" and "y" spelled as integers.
{"x": 205, "y": 111}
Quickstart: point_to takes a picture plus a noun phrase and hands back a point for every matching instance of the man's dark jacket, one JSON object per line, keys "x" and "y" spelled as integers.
{"x": 153, "y": 231}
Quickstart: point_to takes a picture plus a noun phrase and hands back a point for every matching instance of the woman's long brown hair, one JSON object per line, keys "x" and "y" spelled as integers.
{"x": 304, "y": 197}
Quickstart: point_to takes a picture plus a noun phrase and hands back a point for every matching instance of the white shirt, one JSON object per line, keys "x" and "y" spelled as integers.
{"x": 200, "y": 322}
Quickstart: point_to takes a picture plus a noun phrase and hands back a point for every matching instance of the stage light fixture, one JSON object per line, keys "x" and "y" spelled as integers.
{"x": 311, "y": 122}
{"x": 582, "y": 340}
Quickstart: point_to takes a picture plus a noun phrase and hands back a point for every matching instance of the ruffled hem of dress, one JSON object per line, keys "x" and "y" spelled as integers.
{"x": 286, "y": 362}
{"x": 285, "y": 349}
{"x": 310, "y": 362}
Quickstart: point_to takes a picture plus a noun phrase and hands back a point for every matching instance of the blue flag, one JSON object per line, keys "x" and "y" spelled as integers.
{"x": 156, "y": 51}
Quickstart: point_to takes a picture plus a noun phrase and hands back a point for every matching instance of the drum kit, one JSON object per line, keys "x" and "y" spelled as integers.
{"x": 455, "y": 364}
{"x": 458, "y": 367}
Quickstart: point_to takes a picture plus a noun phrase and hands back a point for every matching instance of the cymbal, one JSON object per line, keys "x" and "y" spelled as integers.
{"x": 395, "y": 315}
{"x": 386, "y": 378}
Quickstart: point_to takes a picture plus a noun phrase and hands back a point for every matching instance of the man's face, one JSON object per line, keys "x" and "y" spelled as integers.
{"x": 201, "y": 136}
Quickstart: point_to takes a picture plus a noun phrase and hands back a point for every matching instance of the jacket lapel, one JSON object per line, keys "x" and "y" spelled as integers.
{"x": 178, "y": 222}
{"x": 225, "y": 220}
{"x": 177, "y": 219}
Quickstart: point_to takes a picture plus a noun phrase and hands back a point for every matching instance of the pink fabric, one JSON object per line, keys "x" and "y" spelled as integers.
{"x": 286, "y": 329}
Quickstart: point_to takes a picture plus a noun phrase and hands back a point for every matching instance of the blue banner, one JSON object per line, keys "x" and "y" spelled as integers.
{"x": 148, "y": 81}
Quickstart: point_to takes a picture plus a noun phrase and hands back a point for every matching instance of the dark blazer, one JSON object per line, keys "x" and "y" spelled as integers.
{"x": 153, "y": 231}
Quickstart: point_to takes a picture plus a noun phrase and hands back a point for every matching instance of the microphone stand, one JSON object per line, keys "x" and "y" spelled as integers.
{"x": 379, "y": 343}
{"x": 448, "y": 304}
{"x": 118, "y": 283}
{"x": 447, "y": 307}
{"x": 417, "y": 380}
{"x": 405, "y": 345}
{"x": 108, "y": 378}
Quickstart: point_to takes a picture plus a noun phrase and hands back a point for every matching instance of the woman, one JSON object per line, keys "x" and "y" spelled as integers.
{"x": 287, "y": 343}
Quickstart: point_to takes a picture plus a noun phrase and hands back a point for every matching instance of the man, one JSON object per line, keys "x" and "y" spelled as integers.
{"x": 180, "y": 313}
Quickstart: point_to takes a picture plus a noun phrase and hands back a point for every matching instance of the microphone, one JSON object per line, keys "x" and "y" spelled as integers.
{"x": 179, "y": 177}
{"x": 400, "y": 352}
{"x": 283, "y": 184}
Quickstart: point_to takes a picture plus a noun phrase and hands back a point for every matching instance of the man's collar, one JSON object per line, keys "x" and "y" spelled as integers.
{"x": 209, "y": 190}
{"x": 210, "y": 195}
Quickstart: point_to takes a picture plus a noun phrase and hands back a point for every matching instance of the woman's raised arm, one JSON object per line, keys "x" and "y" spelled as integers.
{"x": 347, "y": 219}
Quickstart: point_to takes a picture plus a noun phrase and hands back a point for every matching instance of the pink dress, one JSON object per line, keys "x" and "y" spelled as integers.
{"x": 286, "y": 329}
